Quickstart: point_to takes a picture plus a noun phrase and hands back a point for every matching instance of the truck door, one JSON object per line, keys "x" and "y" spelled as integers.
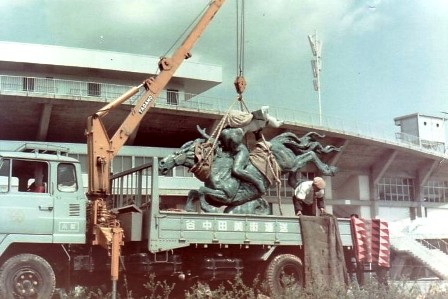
{"x": 70, "y": 205}
{"x": 26, "y": 205}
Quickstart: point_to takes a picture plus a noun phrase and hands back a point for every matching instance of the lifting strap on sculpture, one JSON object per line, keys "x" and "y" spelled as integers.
{"x": 261, "y": 156}
{"x": 225, "y": 120}
{"x": 204, "y": 154}
{"x": 263, "y": 159}
{"x": 204, "y": 151}
{"x": 274, "y": 169}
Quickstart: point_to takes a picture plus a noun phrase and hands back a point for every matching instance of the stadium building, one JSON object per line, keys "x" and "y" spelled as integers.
{"x": 47, "y": 93}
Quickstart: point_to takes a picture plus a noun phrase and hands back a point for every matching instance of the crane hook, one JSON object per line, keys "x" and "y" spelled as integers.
{"x": 240, "y": 84}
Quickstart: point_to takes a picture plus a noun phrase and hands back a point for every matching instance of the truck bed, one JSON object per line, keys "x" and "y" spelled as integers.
{"x": 179, "y": 229}
{"x": 166, "y": 230}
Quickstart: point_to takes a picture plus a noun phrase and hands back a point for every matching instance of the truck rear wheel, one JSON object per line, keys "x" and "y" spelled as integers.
{"x": 284, "y": 274}
{"x": 27, "y": 276}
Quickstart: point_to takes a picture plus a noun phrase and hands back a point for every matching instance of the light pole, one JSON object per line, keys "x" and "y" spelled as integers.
{"x": 316, "y": 65}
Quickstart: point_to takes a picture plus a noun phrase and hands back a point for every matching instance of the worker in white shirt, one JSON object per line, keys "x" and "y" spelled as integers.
{"x": 305, "y": 194}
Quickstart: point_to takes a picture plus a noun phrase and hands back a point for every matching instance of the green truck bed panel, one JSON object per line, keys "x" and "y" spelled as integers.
{"x": 178, "y": 229}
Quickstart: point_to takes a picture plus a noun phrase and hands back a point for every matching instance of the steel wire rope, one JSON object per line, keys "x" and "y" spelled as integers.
{"x": 184, "y": 32}
{"x": 114, "y": 123}
{"x": 240, "y": 29}
{"x": 240, "y": 65}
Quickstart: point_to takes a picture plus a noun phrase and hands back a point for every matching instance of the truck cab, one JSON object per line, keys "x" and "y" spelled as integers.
{"x": 41, "y": 198}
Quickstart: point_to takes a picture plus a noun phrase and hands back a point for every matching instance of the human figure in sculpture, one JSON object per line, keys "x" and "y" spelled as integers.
{"x": 252, "y": 122}
{"x": 237, "y": 125}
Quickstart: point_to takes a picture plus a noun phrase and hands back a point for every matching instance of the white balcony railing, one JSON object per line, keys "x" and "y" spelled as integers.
{"x": 104, "y": 92}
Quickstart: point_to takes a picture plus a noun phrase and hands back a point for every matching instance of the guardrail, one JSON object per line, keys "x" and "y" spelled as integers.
{"x": 439, "y": 244}
{"x": 132, "y": 186}
{"x": 433, "y": 258}
{"x": 105, "y": 92}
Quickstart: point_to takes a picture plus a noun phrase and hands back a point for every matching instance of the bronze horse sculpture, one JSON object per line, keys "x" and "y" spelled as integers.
{"x": 221, "y": 188}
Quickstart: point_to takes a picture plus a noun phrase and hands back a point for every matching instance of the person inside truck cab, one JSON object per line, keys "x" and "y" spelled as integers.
{"x": 306, "y": 193}
{"x": 36, "y": 187}
{"x": 38, "y": 184}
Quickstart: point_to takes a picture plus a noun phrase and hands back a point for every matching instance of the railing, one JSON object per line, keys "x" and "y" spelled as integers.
{"x": 439, "y": 244}
{"x": 416, "y": 141}
{"x": 435, "y": 259}
{"x": 427, "y": 244}
{"x": 33, "y": 86}
{"x": 104, "y": 92}
{"x": 131, "y": 187}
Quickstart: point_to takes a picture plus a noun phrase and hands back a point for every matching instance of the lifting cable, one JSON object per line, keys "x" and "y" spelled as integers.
{"x": 208, "y": 146}
{"x": 184, "y": 33}
{"x": 240, "y": 85}
{"x": 240, "y": 82}
{"x": 240, "y": 38}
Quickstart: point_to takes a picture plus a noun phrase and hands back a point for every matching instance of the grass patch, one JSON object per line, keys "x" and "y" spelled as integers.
{"x": 237, "y": 289}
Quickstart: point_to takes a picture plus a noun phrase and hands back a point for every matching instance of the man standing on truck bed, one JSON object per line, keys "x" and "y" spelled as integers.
{"x": 304, "y": 195}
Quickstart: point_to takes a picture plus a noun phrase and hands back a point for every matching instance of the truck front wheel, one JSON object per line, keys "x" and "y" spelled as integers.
{"x": 284, "y": 275}
{"x": 26, "y": 276}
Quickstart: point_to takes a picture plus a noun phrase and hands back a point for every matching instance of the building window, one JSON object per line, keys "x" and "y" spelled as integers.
{"x": 172, "y": 97}
{"x": 121, "y": 163}
{"x": 435, "y": 191}
{"x": 182, "y": 171}
{"x": 286, "y": 191}
{"x": 93, "y": 89}
{"x": 28, "y": 84}
{"x": 396, "y": 189}
{"x": 142, "y": 160}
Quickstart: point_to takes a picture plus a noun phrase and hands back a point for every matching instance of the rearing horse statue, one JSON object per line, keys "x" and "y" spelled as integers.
{"x": 289, "y": 152}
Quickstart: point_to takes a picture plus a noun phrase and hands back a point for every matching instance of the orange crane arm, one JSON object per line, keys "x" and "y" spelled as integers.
{"x": 101, "y": 148}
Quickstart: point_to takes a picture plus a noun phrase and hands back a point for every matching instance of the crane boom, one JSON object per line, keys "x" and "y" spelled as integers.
{"x": 101, "y": 149}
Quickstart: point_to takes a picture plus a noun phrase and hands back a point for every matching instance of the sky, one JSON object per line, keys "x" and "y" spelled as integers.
{"x": 381, "y": 59}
